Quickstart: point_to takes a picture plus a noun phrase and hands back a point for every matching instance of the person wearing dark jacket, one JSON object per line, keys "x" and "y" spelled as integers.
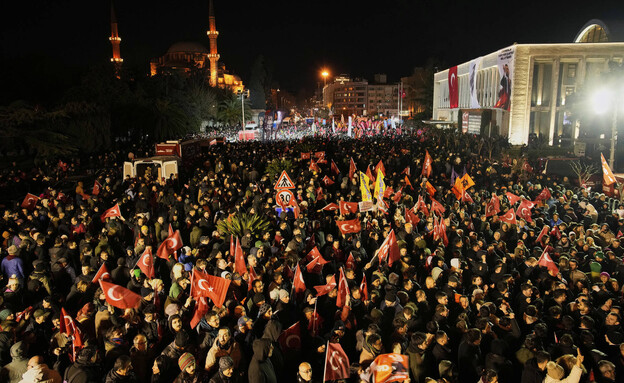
{"x": 469, "y": 356}
{"x": 261, "y": 369}
{"x": 535, "y": 368}
{"x": 12, "y": 372}
{"x": 226, "y": 371}
{"x": 122, "y": 371}
{"x": 85, "y": 369}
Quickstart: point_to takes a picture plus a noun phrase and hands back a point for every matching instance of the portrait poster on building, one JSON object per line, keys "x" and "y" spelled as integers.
{"x": 505, "y": 69}
{"x": 472, "y": 80}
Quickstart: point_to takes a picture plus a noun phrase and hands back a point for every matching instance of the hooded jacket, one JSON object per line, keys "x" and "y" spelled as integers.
{"x": 261, "y": 369}
{"x": 12, "y": 372}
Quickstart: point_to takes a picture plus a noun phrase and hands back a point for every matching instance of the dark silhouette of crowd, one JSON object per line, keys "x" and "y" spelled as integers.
{"x": 476, "y": 304}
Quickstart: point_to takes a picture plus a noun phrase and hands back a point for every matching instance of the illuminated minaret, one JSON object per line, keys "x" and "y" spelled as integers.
{"x": 115, "y": 40}
{"x": 213, "y": 56}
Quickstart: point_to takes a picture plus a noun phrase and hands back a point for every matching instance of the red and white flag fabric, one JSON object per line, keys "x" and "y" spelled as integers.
{"x": 389, "y": 249}
{"x": 201, "y": 309}
{"x": 68, "y": 327}
{"x": 493, "y": 206}
{"x": 305, "y": 156}
{"x": 30, "y": 201}
{"x": 421, "y": 206}
{"x": 556, "y": 232}
{"x": 146, "y": 263}
{"x": 170, "y": 245}
{"x": 509, "y": 217}
{"x": 397, "y": 196}
{"x": 314, "y": 167}
{"x": 453, "y": 87}
{"x": 209, "y": 286}
{"x": 343, "y": 290}
{"x": 334, "y": 168}
{"x": 120, "y": 297}
{"x": 326, "y": 288}
{"x": 430, "y": 189}
{"x": 114, "y": 211}
{"x": 369, "y": 174}
{"x": 170, "y": 231}
{"x": 427, "y": 165}
{"x": 466, "y": 197}
{"x": 96, "y": 188}
{"x": 512, "y": 198}
{"x": 348, "y": 227}
{"x": 364, "y": 288}
{"x": 545, "y": 230}
{"x": 327, "y": 181}
{"x": 290, "y": 339}
{"x": 410, "y": 217}
{"x": 380, "y": 166}
{"x": 336, "y": 363}
{"x": 437, "y": 207}
{"x": 348, "y": 207}
{"x": 251, "y": 278}
{"x": 350, "y": 262}
{"x": 352, "y": 168}
{"x": 330, "y": 207}
{"x": 524, "y": 210}
{"x": 407, "y": 172}
{"x": 547, "y": 262}
{"x": 387, "y": 368}
{"x": 316, "y": 265}
{"x": 544, "y": 195}
{"x": 102, "y": 274}
{"x": 298, "y": 282}
{"x": 408, "y": 183}
{"x": 239, "y": 259}
{"x": 607, "y": 175}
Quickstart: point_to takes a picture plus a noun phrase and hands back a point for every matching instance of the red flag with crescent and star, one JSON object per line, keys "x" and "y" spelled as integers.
{"x": 351, "y": 226}
{"x": 542, "y": 233}
{"x": 493, "y": 207}
{"x": 170, "y": 245}
{"x": 509, "y": 217}
{"x": 201, "y": 309}
{"x": 314, "y": 167}
{"x": 410, "y": 217}
{"x": 544, "y": 195}
{"x": 427, "y": 165}
{"x": 316, "y": 265}
{"x": 524, "y": 210}
{"x": 96, "y": 188}
{"x": 453, "y": 86}
{"x": 328, "y": 181}
{"x": 146, "y": 263}
{"x": 389, "y": 249}
{"x": 352, "y": 168}
{"x": 380, "y": 166}
{"x": 30, "y": 201}
{"x": 68, "y": 327}
{"x": 239, "y": 259}
{"x": 209, "y": 286}
{"x": 120, "y": 297}
{"x": 421, "y": 206}
{"x": 298, "y": 282}
{"x": 290, "y": 339}
{"x": 607, "y": 175}
{"x": 407, "y": 171}
{"x": 364, "y": 288}
{"x": 330, "y": 207}
{"x": 348, "y": 207}
{"x": 437, "y": 207}
{"x": 114, "y": 211}
{"x": 336, "y": 363}
{"x": 350, "y": 263}
{"x": 343, "y": 289}
{"x": 547, "y": 262}
{"x": 326, "y": 288}
{"x": 251, "y": 278}
{"x": 102, "y": 274}
{"x": 334, "y": 168}
{"x": 512, "y": 198}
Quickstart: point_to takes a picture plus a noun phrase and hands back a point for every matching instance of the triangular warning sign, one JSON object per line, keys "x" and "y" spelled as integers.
{"x": 284, "y": 182}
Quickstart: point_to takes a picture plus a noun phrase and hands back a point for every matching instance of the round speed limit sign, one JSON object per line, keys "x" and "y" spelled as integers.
{"x": 284, "y": 197}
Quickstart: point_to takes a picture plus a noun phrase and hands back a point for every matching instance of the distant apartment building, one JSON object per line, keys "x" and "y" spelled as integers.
{"x": 348, "y": 96}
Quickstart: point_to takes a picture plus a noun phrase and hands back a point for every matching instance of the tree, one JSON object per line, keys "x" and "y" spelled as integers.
{"x": 230, "y": 110}
{"x": 583, "y": 171}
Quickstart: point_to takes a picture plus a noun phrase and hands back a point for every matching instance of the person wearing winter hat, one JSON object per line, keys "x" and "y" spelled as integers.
{"x": 226, "y": 371}
{"x": 188, "y": 369}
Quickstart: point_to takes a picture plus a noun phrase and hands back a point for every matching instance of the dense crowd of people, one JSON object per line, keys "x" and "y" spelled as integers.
{"x": 469, "y": 296}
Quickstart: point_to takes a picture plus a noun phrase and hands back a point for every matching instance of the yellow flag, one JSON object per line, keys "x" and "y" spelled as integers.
{"x": 466, "y": 182}
{"x": 364, "y": 188}
{"x": 380, "y": 185}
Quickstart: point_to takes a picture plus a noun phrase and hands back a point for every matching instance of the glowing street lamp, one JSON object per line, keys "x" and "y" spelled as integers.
{"x": 325, "y": 74}
{"x": 602, "y": 100}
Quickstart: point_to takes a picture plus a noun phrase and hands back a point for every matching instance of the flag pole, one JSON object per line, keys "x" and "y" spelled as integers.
{"x": 326, "y": 354}
{"x": 192, "y": 278}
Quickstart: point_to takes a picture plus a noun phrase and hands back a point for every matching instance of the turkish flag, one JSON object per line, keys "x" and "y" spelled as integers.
{"x": 369, "y": 174}
{"x": 102, "y": 274}
{"x": 330, "y": 207}
{"x": 170, "y": 245}
{"x": 319, "y": 193}
{"x": 437, "y": 207}
{"x": 120, "y": 297}
{"x": 319, "y": 155}
{"x": 305, "y": 156}
{"x": 492, "y": 207}
{"x": 209, "y": 286}
{"x": 314, "y": 167}
{"x": 421, "y": 206}
{"x": 547, "y": 262}
{"x": 290, "y": 339}
{"x": 466, "y": 197}
{"x": 343, "y": 290}
{"x": 314, "y": 253}
{"x": 351, "y": 226}
{"x": 239, "y": 259}
{"x": 397, "y": 196}
{"x": 430, "y": 189}
{"x": 544, "y": 195}
{"x": 407, "y": 171}
{"x": 387, "y": 368}
{"x": 410, "y": 217}
{"x": 146, "y": 263}
{"x": 380, "y": 166}
{"x": 298, "y": 282}
{"x": 352, "y": 168}
{"x": 607, "y": 175}
{"x": 112, "y": 212}
{"x": 388, "y": 192}
{"x": 509, "y": 217}
{"x": 524, "y": 210}
{"x": 336, "y": 363}
{"x": 201, "y": 309}
{"x": 527, "y": 167}
{"x": 170, "y": 232}
{"x": 556, "y": 232}
{"x": 542, "y": 233}
{"x": 350, "y": 263}
{"x": 316, "y": 265}
{"x": 328, "y": 181}
{"x": 30, "y": 201}
{"x": 334, "y": 168}
{"x": 512, "y": 198}
{"x": 67, "y": 325}
{"x": 389, "y": 249}
{"x": 453, "y": 86}
{"x": 442, "y": 232}
{"x": 427, "y": 165}
{"x": 348, "y": 207}
{"x": 96, "y": 188}
{"x": 364, "y": 288}
{"x": 326, "y": 288}
{"x": 251, "y": 278}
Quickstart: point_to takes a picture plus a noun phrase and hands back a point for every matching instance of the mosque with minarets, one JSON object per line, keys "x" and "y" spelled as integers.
{"x": 184, "y": 57}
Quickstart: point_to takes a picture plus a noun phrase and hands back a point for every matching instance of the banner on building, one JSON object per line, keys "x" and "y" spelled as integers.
{"x": 472, "y": 80}
{"x": 505, "y": 61}
{"x": 453, "y": 85}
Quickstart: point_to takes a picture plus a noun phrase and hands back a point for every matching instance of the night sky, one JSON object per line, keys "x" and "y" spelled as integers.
{"x": 46, "y": 45}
